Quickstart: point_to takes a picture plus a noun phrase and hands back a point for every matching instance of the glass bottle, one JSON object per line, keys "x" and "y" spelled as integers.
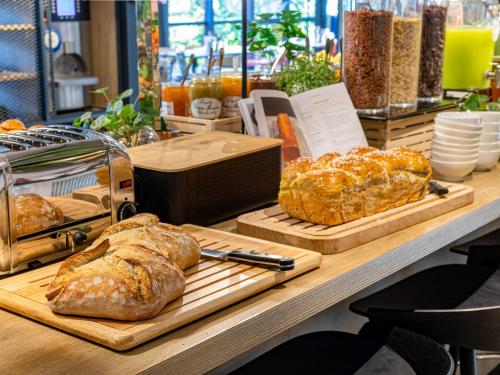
{"x": 367, "y": 53}
{"x": 406, "y": 41}
{"x": 232, "y": 94}
{"x": 175, "y": 98}
{"x": 469, "y": 46}
{"x": 261, "y": 81}
{"x": 430, "y": 86}
{"x": 206, "y": 95}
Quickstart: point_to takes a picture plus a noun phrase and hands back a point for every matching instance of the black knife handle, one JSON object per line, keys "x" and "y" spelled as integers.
{"x": 284, "y": 263}
{"x": 438, "y": 189}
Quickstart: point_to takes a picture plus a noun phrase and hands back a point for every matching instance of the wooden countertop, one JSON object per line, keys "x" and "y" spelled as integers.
{"x": 30, "y": 347}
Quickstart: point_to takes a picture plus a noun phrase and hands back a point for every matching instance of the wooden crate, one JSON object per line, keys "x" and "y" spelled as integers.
{"x": 414, "y": 131}
{"x": 195, "y": 125}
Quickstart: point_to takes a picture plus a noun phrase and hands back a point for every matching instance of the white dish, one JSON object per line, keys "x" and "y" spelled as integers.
{"x": 457, "y": 125}
{"x": 487, "y": 137}
{"x": 451, "y": 139}
{"x": 452, "y": 171}
{"x": 492, "y": 146}
{"x": 487, "y": 160}
{"x": 447, "y": 130}
{"x": 454, "y": 151}
{"x": 462, "y": 117}
{"x": 451, "y": 157}
{"x": 452, "y": 145}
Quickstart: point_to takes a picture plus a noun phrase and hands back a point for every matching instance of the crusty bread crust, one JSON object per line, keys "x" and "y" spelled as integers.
{"x": 34, "y": 213}
{"x": 336, "y": 189}
{"x": 129, "y": 273}
{"x": 124, "y": 282}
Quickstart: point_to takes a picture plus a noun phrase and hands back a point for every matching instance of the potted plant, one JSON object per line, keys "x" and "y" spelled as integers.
{"x": 121, "y": 120}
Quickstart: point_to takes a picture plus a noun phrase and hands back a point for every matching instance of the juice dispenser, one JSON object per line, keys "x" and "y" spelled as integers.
{"x": 469, "y": 45}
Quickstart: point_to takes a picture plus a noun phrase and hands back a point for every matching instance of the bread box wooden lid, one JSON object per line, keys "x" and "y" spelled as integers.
{"x": 192, "y": 151}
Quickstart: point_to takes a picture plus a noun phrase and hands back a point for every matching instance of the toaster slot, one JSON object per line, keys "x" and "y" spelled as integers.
{"x": 75, "y": 129}
{"x": 62, "y": 132}
{"x": 14, "y": 145}
{"x": 53, "y": 138}
{"x": 22, "y": 138}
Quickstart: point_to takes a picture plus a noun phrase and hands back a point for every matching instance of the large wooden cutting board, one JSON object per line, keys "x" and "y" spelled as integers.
{"x": 274, "y": 225}
{"x": 211, "y": 286}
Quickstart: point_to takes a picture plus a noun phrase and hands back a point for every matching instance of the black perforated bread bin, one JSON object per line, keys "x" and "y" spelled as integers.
{"x": 212, "y": 192}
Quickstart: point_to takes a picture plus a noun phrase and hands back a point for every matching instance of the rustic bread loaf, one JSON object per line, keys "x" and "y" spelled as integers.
{"x": 171, "y": 241}
{"x": 34, "y": 213}
{"x": 123, "y": 282}
{"x": 336, "y": 189}
{"x": 129, "y": 273}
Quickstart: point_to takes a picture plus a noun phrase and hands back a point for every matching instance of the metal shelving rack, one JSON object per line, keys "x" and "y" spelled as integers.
{"x": 21, "y": 61}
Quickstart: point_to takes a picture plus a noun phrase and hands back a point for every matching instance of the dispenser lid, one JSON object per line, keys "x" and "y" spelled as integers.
{"x": 192, "y": 151}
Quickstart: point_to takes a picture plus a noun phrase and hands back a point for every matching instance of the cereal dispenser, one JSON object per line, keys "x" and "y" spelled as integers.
{"x": 367, "y": 53}
{"x": 470, "y": 42}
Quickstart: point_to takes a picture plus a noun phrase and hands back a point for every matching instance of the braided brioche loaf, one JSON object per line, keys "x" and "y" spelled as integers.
{"x": 336, "y": 189}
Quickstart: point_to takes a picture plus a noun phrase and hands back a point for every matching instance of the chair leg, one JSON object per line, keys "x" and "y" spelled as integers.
{"x": 454, "y": 354}
{"x": 468, "y": 362}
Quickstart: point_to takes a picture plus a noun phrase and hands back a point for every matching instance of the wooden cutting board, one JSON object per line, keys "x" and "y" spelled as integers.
{"x": 211, "y": 286}
{"x": 274, "y": 225}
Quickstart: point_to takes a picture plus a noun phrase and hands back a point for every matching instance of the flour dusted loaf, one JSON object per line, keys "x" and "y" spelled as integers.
{"x": 34, "y": 213}
{"x": 129, "y": 273}
{"x": 336, "y": 188}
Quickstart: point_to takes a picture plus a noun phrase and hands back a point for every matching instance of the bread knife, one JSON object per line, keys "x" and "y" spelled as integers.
{"x": 265, "y": 260}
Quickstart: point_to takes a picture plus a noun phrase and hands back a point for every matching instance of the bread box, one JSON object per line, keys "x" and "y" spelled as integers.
{"x": 206, "y": 177}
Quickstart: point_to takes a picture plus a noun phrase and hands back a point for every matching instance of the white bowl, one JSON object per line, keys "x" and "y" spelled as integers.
{"x": 447, "y": 130}
{"x": 488, "y": 116}
{"x": 491, "y": 127}
{"x": 456, "y": 146}
{"x": 492, "y": 146}
{"x": 488, "y": 137}
{"x": 462, "y": 117}
{"x": 454, "y": 151}
{"x": 451, "y": 157}
{"x": 457, "y": 125}
{"x": 487, "y": 160}
{"x": 451, "y": 139}
{"x": 452, "y": 170}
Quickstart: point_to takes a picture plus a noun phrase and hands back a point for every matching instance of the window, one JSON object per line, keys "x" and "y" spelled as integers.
{"x": 185, "y": 22}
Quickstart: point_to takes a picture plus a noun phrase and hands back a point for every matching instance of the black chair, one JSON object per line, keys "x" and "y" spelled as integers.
{"x": 329, "y": 352}
{"x": 483, "y": 251}
{"x": 457, "y": 305}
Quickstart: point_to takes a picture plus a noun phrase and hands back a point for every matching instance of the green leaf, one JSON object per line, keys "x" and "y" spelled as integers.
{"x": 77, "y": 121}
{"x": 102, "y": 90}
{"x": 86, "y": 116}
{"x": 126, "y": 94}
{"x": 99, "y": 122}
{"x": 128, "y": 112}
{"x": 116, "y": 106}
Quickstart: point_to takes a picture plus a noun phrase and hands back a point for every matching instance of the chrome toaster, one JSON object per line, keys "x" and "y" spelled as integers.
{"x": 86, "y": 178}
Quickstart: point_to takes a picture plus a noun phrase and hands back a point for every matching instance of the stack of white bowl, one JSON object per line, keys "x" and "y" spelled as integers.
{"x": 455, "y": 145}
{"x": 489, "y": 146}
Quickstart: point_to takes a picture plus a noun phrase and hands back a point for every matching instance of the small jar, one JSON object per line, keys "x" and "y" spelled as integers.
{"x": 406, "y": 41}
{"x": 430, "y": 85}
{"x": 261, "y": 81}
{"x": 232, "y": 94}
{"x": 367, "y": 54}
{"x": 206, "y": 95}
{"x": 175, "y": 99}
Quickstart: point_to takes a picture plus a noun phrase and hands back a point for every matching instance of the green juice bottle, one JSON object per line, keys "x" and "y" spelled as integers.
{"x": 468, "y": 53}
